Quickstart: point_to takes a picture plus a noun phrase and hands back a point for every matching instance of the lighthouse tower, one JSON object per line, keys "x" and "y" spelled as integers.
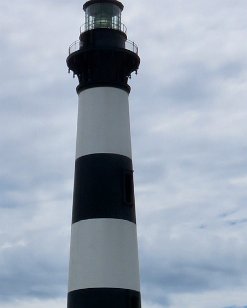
{"x": 104, "y": 269}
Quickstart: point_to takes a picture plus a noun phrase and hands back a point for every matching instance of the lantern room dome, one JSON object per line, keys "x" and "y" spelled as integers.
{"x": 114, "y": 2}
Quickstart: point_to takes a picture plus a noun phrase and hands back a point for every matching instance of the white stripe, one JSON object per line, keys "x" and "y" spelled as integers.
{"x": 103, "y": 122}
{"x": 103, "y": 254}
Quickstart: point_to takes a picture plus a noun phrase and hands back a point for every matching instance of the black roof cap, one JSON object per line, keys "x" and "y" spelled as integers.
{"x": 118, "y": 3}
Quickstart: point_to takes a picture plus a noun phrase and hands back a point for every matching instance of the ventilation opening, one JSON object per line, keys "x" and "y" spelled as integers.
{"x": 129, "y": 188}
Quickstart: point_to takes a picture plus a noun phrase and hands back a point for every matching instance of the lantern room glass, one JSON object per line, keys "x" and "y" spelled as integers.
{"x": 103, "y": 15}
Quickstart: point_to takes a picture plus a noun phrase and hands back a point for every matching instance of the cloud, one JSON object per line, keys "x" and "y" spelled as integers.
{"x": 188, "y": 119}
{"x": 34, "y": 303}
{"x": 29, "y": 241}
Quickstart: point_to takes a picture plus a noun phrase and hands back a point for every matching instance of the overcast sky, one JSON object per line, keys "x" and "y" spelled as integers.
{"x": 189, "y": 137}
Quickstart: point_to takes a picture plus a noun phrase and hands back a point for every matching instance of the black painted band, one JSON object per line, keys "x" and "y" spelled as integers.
{"x": 103, "y": 188}
{"x": 81, "y": 88}
{"x": 104, "y": 298}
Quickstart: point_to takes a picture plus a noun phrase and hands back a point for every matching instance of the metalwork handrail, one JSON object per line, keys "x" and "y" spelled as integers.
{"x": 103, "y": 24}
{"x": 129, "y": 45}
{"x": 75, "y": 46}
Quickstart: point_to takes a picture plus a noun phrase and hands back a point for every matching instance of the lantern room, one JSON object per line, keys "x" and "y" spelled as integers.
{"x": 103, "y": 14}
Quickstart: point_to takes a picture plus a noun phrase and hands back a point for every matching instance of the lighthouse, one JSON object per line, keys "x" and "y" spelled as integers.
{"x": 103, "y": 268}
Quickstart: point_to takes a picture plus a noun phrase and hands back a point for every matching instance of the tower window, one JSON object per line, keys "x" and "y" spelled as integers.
{"x": 128, "y": 188}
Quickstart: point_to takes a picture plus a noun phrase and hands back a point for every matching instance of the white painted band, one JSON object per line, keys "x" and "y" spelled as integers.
{"x": 103, "y": 254}
{"x": 103, "y": 122}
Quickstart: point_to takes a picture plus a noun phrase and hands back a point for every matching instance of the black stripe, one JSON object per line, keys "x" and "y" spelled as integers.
{"x": 104, "y": 298}
{"x": 103, "y": 188}
{"x": 91, "y": 85}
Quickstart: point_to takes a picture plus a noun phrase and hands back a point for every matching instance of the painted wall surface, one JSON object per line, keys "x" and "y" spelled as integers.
{"x": 103, "y": 122}
{"x": 104, "y": 254}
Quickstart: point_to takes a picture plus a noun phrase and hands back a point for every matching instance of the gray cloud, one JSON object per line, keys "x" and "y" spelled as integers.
{"x": 188, "y": 118}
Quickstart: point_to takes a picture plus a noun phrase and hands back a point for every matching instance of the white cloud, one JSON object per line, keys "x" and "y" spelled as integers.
{"x": 35, "y": 303}
{"x": 230, "y": 298}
